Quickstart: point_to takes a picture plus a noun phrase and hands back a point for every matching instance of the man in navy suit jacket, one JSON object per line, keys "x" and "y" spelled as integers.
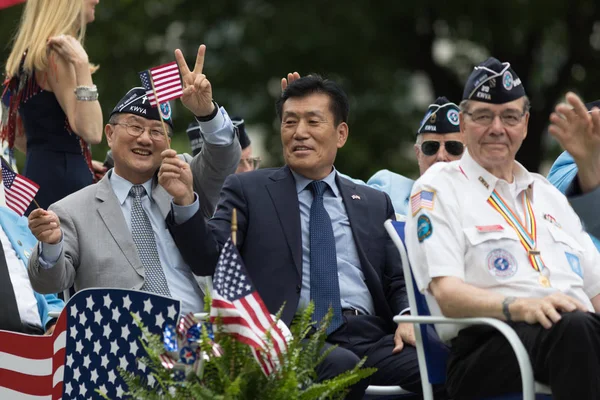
{"x": 273, "y": 208}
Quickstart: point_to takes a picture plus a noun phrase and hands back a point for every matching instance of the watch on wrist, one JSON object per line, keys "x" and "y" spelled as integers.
{"x": 507, "y": 302}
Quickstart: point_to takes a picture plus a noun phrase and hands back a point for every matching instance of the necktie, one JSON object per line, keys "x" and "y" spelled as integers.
{"x": 143, "y": 237}
{"x": 10, "y": 319}
{"x": 324, "y": 282}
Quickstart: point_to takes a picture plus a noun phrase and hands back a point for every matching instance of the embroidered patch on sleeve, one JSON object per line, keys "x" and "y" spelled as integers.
{"x": 421, "y": 200}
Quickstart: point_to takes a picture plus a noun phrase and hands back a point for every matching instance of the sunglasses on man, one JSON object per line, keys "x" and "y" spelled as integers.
{"x": 453, "y": 147}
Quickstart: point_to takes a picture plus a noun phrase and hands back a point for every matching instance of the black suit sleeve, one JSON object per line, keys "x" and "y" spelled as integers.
{"x": 200, "y": 241}
{"x": 394, "y": 284}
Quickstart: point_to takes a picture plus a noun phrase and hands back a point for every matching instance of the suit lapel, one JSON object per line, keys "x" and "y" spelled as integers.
{"x": 110, "y": 212}
{"x": 358, "y": 213}
{"x": 285, "y": 200}
{"x": 161, "y": 197}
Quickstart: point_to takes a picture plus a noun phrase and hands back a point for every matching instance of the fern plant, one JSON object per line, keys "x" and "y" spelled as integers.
{"x": 235, "y": 375}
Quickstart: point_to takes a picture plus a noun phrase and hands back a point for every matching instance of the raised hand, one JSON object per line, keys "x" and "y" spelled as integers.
{"x": 578, "y": 132}
{"x": 175, "y": 176}
{"x": 68, "y": 48}
{"x": 45, "y": 226}
{"x": 197, "y": 91}
{"x": 291, "y": 77}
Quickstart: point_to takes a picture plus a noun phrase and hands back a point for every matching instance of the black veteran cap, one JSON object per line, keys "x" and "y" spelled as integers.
{"x": 493, "y": 82}
{"x": 135, "y": 102}
{"x": 195, "y": 136}
{"x": 441, "y": 117}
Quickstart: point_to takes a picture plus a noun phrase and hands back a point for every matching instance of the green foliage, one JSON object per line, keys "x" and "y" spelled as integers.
{"x": 392, "y": 59}
{"x": 237, "y": 376}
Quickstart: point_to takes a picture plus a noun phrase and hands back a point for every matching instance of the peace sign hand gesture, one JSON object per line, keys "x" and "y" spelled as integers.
{"x": 197, "y": 91}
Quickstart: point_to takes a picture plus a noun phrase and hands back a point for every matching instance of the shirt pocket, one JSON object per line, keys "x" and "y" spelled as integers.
{"x": 562, "y": 238}
{"x": 478, "y": 238}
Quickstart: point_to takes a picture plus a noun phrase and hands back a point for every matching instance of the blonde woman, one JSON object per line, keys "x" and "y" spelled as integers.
{"x": 51, "y": 104}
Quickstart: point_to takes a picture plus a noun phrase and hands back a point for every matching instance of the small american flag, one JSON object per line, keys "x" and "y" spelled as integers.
{"x": 18, "y": 190}
{"x": 422, "y": 199}
{"x": 93, "y": 336}
{"x": 166, "y": 80}
{"x": 242, "y": 311}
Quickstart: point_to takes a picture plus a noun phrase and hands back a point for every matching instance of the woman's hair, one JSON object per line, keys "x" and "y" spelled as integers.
{"x": 41, "y": 20}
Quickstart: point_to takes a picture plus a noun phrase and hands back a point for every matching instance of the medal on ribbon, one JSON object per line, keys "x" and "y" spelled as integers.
{"x": 527, "y": 234}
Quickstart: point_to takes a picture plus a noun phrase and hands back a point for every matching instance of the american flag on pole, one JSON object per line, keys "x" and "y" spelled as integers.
{"x": 242, "y": 312}
{"x": 166, "y": 80}
{"x": 18, "y": 190}
{"x": 94, "y": 335}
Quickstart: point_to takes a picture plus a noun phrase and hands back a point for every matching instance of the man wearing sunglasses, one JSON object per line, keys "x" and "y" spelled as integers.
{"x": 438, "y": 140}
{"x": 487, "y": 238}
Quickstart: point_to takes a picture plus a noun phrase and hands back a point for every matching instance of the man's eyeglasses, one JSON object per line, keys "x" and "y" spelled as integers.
{"x": 251, "y": 163}
{"x": 486, "y": 117}
{"x": 453, "y": 147}
{"x": 136, "y": 130}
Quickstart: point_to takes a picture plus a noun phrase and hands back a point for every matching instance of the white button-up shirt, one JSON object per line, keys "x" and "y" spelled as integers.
{"x": 26, "y": 302}
{"x": 454, "y": 231}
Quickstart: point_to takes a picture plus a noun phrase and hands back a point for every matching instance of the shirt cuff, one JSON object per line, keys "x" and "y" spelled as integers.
{"x": 50, "y": 253}
{"x": 219, "y": 130}
{"x": 182, "y": 214}
{"x": 405, "y": 311}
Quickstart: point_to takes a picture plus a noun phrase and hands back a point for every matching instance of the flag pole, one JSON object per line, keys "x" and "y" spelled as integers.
{"x": 234, "y": 227}
{"x": 160, "y": 116}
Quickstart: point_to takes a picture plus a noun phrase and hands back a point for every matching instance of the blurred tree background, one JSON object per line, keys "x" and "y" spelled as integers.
{"x": 392, "y": 57}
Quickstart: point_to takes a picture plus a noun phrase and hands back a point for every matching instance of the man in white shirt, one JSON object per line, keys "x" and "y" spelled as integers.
{"x": 489, "y": 239}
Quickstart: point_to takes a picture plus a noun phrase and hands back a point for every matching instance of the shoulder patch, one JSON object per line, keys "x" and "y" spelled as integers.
{"x": 424, "y": 227}
{"x": 423, "y": 199}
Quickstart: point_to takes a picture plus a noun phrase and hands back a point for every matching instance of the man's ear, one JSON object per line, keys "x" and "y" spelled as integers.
{"x": 342, "y": 132}
{"x": 109, "y": 130}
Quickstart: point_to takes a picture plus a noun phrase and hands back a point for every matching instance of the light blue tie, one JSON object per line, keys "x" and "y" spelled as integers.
{"x": 324, "y": 282}
{"x": 143, "y": 237}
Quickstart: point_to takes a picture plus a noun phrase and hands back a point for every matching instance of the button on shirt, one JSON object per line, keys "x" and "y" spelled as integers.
{"x": 460, "y": 234}
{"x": 353, "y": 289}
{"x": 26, "y": 302}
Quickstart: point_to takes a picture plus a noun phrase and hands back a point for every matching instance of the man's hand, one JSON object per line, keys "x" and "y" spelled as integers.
{"x": 175, "y": 176}
{"x": 544, "y": 310}
{"x": 197, "y": 91}
{"x": 45, "y": 226}
{"x": 405, "y": 334}
{"x": 291, "y": 77}
{"x": 578, "y": 132}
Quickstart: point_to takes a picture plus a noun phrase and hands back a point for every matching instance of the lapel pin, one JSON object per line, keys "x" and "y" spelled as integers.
{"x": 355, "y": 197}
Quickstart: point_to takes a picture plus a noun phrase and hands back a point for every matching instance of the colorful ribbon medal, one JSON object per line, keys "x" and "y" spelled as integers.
{"x": 527, "y": 235}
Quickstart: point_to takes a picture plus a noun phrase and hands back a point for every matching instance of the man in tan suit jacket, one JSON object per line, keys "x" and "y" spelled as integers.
{"x": 87, "y": 239}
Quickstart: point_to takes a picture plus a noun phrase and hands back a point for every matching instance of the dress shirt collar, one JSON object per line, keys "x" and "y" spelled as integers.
{"x": 488, "y": 182}
{"x": 302, "y": 182}
{"x": 122, "y": 186}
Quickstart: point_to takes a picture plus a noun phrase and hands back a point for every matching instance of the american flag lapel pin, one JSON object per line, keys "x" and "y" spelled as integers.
{"x": 355, "y": 197}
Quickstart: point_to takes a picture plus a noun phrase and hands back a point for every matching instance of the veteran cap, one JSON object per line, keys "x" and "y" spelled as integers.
{"x": 135, "y": 102}
{"x": 240, "y": 126}
{"x": 195, "y": 136}
{"x": 441, "y": 117}
{"x": 493, "y": 82}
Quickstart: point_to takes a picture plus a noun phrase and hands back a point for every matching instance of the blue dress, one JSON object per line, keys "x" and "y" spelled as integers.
{"x": 57, "y": 159}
